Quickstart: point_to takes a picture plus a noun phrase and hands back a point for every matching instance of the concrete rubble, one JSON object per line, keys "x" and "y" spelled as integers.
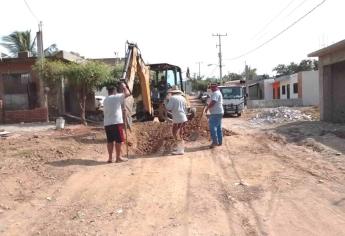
{"x": 279, "y": 115}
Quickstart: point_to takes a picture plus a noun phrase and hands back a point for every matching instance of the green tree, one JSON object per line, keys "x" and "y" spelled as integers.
{"x": 232, "y": 76}
{"x": 19, "y": 41}
{"x": 304, "y": 65}
{"x": 281, "y": 70}
{"x": 315, "y": 64}
{"x": 113, "y": 79}
{"x": 85, "y": 77}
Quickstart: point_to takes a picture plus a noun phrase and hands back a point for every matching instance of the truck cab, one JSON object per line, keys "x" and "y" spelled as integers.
{"x": 234, "y": 98}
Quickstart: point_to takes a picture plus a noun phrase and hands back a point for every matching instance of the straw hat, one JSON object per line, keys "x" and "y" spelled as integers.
{"x": 174, "y": 89}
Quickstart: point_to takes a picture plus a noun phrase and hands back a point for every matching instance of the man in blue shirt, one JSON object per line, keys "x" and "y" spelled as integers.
{"x": 215, "y": 107}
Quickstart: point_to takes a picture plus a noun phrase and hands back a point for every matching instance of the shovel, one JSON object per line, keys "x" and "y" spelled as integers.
{"x": 195, "y": 134}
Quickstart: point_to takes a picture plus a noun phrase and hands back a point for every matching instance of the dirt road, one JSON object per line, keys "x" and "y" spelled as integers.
{"x": 266, "y": 180}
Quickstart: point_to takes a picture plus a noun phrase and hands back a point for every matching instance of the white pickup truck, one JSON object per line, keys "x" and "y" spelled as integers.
{"x": 233, "y": 99}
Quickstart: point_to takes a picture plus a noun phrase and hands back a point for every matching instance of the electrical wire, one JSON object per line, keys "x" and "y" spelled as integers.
{"x": 272, "y": 20}
{"x": 296, "y": 8}
{"x": 32, "y": 13}
{"x": 293, "y": 10}
{"x": 277, "y": 35}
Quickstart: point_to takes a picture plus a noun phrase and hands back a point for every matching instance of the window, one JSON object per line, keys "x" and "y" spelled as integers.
{"x": 283, "y": 90}
{"x": 16, "y": 83}
{"x": 295, "y": 88}
{"x": 231, "y": 92}
{"x": 20, "y": 91}
{"x": 171, "y": 78}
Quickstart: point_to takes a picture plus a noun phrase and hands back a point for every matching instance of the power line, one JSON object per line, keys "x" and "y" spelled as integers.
{"x": 277, "y": 35}
{"x": 291, "y": 12}
{"x": 296, "y": 8}
{"x": 272, "y": 20}
{"x": 32, "y": 13}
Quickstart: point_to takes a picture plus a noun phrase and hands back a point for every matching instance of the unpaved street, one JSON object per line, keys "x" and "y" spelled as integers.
{"x": 283, "y": 179}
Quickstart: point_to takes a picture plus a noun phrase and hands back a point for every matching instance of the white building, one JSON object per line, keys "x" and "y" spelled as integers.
{"x": 289, "y": 87}
{"x": 302, "y": 85}
{"x": 310, "y": 88}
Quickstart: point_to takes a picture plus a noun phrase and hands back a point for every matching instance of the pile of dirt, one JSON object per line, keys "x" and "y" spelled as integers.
{"x": 148, "y": 137}
{"x": 151, "y": 137}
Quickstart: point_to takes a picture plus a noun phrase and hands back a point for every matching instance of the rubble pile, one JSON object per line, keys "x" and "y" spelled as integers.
{"x": 280, "y": 115}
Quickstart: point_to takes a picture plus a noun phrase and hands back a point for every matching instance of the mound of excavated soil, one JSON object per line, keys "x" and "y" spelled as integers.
{"x": 151, "y": 137}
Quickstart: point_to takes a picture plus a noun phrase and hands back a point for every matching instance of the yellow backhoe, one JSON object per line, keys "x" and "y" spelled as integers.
{"x": 148, "y": 85}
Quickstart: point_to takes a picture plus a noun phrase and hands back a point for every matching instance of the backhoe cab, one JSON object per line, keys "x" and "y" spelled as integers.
{"x": 162, "y": 77}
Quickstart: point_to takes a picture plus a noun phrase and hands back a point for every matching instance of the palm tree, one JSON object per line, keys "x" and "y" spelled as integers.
{"x": 19, "y": 41}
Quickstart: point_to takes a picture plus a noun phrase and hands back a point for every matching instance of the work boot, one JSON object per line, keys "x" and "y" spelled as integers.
{"x": 178, "y": 151}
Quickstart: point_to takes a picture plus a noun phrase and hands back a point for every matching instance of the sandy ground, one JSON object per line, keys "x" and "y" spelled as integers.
{"x": 286, "y": 179}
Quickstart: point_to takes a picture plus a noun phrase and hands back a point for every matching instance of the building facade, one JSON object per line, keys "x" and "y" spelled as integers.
{"x": 21, "y": 92}
{"x": 332, "y": 81}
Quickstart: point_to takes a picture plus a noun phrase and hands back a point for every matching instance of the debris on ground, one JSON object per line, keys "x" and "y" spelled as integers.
{"x": 4, "y": 133}
{"x": 280, "y": 115}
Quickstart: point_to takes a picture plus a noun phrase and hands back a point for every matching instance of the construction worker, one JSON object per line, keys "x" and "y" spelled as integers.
{"x": 215, "y": 107}
{"x": 176, "y": 104}
{"x": 113, "y": 120}
{"x": 162, "y": 88}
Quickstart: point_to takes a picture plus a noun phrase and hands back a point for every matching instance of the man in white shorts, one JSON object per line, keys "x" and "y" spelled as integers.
{"x": 176, "y": 104}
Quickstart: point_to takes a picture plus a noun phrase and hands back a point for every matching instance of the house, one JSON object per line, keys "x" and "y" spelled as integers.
{"x": 299, "y": 89}
{"x": 332, "y": 81}
{"x": 25, "y": 98}
{"x": 22, "y": 96}
{"x": 302, "y": 85}
{"x": 288, "y": 87}
{"x": 260, "y": 89}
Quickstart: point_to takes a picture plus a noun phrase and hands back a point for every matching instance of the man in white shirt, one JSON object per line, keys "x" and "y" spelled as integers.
{"x": 216, "y": 109}
{"x": 176, "y": 103}
{"x": 113, "y": 120}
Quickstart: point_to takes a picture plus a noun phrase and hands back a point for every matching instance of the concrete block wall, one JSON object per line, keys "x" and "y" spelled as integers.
{"x": 34, "y": 115}
{"x": 274, "y": 103}
{"x": 310, "y": 88}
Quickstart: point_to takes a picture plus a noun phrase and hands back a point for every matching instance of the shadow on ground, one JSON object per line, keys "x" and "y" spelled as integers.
{"x": 76, "y": 162}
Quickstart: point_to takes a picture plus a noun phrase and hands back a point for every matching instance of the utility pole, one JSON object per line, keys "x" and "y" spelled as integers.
{"x": 199, "y": 62}
{"x": 220, "y": 55}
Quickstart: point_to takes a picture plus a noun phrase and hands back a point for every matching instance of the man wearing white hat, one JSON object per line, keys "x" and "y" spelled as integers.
{"x": 176, "y": 103}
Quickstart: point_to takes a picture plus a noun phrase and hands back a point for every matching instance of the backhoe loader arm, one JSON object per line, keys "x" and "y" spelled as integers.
{"x": 136, "y": 68}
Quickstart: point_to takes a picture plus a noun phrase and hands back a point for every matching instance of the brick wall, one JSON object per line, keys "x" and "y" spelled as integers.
{"x": 34, "y": 115}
